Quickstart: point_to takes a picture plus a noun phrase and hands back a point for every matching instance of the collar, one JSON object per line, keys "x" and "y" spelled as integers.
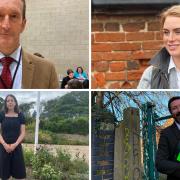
{"x": 15, "y": 55}
{"x": 161, "y": 60}
{"x": 171, "y": 65}
{"x": 177, "y": 124}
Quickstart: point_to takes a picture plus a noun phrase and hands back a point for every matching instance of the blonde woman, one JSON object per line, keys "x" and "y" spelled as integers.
{"x": 164, "y": 72}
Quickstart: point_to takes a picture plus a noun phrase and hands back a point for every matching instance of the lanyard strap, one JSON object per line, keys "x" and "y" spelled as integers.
{"x": 17, "y": 67}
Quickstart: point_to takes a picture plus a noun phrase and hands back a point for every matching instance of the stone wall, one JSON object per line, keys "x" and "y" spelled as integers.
{"x": 59, "y": 31}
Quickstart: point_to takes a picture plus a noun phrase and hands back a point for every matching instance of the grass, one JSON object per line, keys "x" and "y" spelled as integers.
{"x": 46, "y": 137}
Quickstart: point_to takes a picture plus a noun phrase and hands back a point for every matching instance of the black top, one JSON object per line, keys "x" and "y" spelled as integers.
{"x": 10, "y": 127}
{"x": 64, "y": 82}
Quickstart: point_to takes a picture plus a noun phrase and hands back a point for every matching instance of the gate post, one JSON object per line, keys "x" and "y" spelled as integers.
{"x": 127, "y": 155}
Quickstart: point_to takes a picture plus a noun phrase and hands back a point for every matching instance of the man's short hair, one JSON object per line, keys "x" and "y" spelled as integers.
{"x": 24, "y": 9}
{"x": 172, "y": 11}
{"x": 75, "y": 84}
{"x": 170, "y": 101}
{"x": 69, "y": 71}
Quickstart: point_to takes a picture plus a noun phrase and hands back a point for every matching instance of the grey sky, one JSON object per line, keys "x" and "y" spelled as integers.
{"x": 30, "y": 96}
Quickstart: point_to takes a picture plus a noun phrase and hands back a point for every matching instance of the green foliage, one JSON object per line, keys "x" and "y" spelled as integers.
{"x": 28, "y": 154}
{"x": 45, "y": 166}
{"x": 70, "y": 105}
{"x": 1, "y": 103}
{"x": 57, "y": 125}
{"x": 25, "y": 108}
{"x": 47, "y": 137}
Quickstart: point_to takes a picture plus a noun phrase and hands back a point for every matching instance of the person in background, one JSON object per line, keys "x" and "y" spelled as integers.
{"x": 80, "y": 74}
{"x": 74, "y": 84}
{"x": 70, "y": 75}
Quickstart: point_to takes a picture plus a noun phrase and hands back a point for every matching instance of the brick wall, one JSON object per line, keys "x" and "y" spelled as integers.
{"x": 102, "y": 162}
{"x": 59, "y": 31}
{"x": 122, "y": 45}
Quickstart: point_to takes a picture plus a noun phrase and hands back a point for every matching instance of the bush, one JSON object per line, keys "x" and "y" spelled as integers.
{"x": 28, "y": 154}
{"x": 60, "y": 167}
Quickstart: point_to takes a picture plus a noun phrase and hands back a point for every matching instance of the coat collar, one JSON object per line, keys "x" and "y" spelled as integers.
{"x": 27, "y": 71}
{"x": 161, "y": 60}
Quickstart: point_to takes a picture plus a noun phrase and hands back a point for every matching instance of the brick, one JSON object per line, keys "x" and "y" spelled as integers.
{"x": 101, "y": 47}
{"x": 144, "y": 62}
{"x": 126, "y": 85}
{"x": 97, "y": 27}
{"x": 107, "y": 56}
{"x": 103, "y": 163}
{"x": 134, "y": 75}
{"x": 125, "y": 46}
{"x": 115, "y": 76}
{"x": 96, "y": 56}
{"x": 103, "y": 17}
{"x": 152, "y": 45}
{"x": 92, "y": 38}
{"x": 143, "y": 54}
{"x": 159, "y": 36}
{"x": 94, "y": 84}
{"x": 112, "y": 27}
{"x": 117, "y": 56}
{"x": 92, "y": 66}
{"x": 135, "y": 84}
{"x": 115, "y": 85}
{"x": 154, "y": 26}
{"x": 140, "y": 36}
{"x": 100, "y": 79}
{"x": 109, "y": 37}
{"x": 132, "y": 65}
{"x": 102, "y": 66}
{"x": 133, "y": 27}
{"x": 117, "y": 66}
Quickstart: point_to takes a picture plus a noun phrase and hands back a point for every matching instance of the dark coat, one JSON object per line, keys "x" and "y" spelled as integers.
{"x": 160, "y": 77}
{"x": 166, "y": 155}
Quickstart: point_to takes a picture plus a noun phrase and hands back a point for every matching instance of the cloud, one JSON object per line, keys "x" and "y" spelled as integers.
{"x": 31, "y": 96}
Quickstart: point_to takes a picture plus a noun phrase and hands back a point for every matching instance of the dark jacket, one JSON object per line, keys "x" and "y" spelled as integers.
{"x": 160, "y": 77}
{"x": 166, "y": 155}
{"x": 64, "y": 82}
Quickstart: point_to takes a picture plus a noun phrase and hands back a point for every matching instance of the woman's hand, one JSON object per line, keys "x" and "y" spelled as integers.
{"x": 13, "y": 146}
{"x": 7, "y": 147}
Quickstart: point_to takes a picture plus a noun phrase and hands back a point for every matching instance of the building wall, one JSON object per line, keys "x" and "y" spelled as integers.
{"x": 122, "y": 45}
{"x": 59, "y": 31}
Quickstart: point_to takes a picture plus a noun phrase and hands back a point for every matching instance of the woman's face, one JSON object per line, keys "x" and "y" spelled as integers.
{"x": 171, "y": 35}
{"x": 10, "y": 103}
{"x": 79, "y": 70}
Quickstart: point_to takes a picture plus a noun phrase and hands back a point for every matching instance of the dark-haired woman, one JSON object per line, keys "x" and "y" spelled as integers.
{"x": 80, "y": 74}
{"x": 12, "y": 133}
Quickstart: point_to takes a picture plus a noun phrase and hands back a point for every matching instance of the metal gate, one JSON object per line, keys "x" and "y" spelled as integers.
{"x": 148, "y": 125}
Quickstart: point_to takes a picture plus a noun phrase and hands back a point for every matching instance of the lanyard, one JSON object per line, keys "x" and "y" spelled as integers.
{"x": 17, "y": 67}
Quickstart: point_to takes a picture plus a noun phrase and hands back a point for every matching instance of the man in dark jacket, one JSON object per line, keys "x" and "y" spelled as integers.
{"x": 168, "y": 153}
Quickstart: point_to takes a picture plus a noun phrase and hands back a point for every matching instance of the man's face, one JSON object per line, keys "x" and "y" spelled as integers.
{"x": 175, "y": 110}
{"x": 12, "y": 25}
{"x": 171, "y": 35}
{"x": 71, "y": 75}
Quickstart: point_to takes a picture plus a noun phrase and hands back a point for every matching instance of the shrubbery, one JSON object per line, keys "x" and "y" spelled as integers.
{"x": 45, "y": 166}
{"x": 57, "y": 125}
